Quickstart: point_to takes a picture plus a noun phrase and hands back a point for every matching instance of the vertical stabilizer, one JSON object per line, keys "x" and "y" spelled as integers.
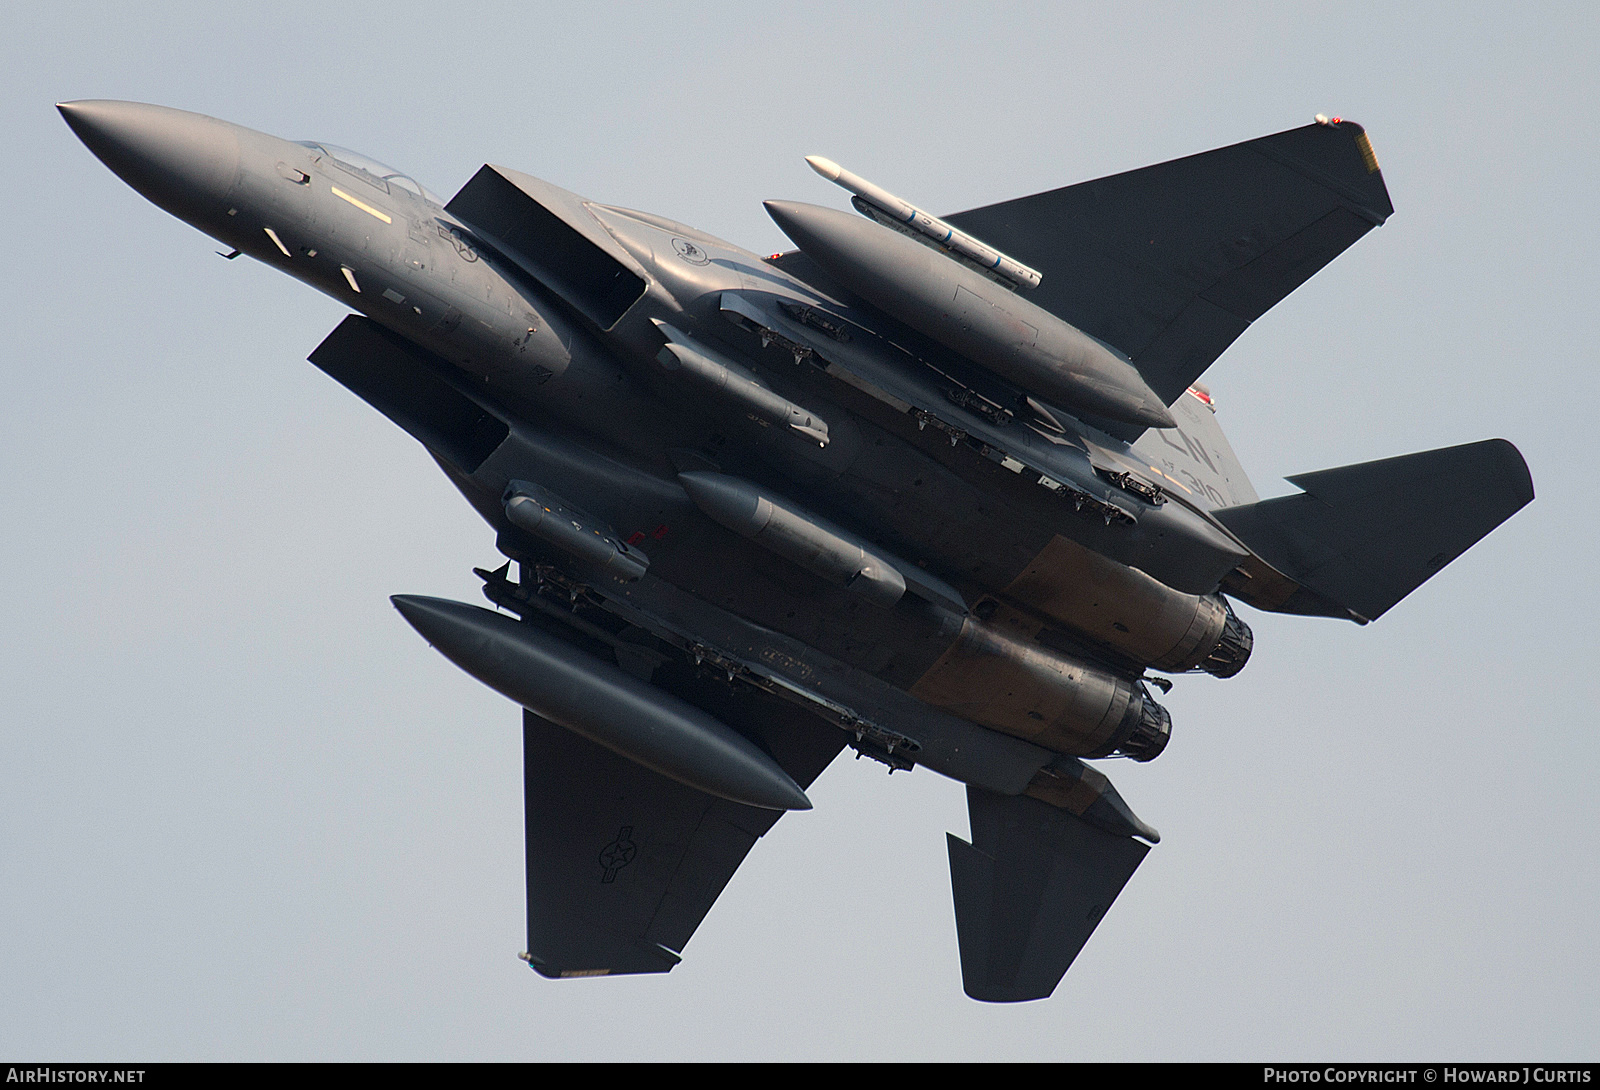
{"x": 1029, "y": 891}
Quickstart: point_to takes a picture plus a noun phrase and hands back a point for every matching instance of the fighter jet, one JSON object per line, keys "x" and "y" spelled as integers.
{"x": 943, "y": 490}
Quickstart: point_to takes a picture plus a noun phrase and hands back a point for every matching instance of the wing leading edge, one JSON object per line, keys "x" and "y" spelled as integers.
{"x": 1171, "y": 263}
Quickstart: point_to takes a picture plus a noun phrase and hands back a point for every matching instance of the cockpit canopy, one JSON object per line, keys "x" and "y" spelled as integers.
{"x": 371, "y": 171}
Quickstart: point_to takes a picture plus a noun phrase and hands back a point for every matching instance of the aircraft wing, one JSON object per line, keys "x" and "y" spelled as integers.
{"x": 1172, "y": 262}
{"x": 623, "y": 864}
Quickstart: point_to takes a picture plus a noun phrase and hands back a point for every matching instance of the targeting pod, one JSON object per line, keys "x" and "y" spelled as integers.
{"x": 796, "y": 535}
{"x": 540, "y": 513}
{"x": 723, "y": 378}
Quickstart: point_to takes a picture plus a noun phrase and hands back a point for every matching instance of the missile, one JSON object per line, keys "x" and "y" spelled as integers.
{"x": 539, "y": 512}
{"x": 796, "y": 535}
{"x": 575, "y": 690}
{"x": 724, "y": 378}
{"x": 969, "y": 313}
{"x": 932, "y": 227}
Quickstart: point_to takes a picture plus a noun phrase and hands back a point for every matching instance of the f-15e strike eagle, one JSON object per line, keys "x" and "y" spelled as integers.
{"x": 943, "y": 490}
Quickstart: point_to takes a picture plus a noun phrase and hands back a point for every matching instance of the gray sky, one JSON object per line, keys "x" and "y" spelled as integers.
{"x": 246, "y": 813}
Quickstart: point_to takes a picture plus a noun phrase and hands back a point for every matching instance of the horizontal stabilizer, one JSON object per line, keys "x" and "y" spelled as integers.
{"x": 1365, "y": 536}
{"x": 1029, "y": 891}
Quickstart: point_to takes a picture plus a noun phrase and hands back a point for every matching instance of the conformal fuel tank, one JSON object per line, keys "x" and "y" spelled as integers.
{"x": 970, "y": 313}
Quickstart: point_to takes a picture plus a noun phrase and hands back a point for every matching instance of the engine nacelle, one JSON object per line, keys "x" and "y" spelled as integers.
{"x": 1034, "y": 692}
{"x": 1124, "y": 609}
{"x": 1232, "y": 650}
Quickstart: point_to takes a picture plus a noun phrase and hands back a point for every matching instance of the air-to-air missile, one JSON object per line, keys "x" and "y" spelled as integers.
{"x": 877, "y": 203}
{"x": 889, "y": 500}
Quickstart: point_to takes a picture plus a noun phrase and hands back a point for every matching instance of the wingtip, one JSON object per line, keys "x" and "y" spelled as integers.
{"x": 1516, "y": 466}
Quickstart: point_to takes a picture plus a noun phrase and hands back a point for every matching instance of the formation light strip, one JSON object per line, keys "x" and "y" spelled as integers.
{"x": 276, "y": 241}
{"x": 367, "y": 208}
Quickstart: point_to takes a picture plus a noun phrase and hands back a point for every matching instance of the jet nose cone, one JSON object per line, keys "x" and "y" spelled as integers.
{"x": 186, "y": 163}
